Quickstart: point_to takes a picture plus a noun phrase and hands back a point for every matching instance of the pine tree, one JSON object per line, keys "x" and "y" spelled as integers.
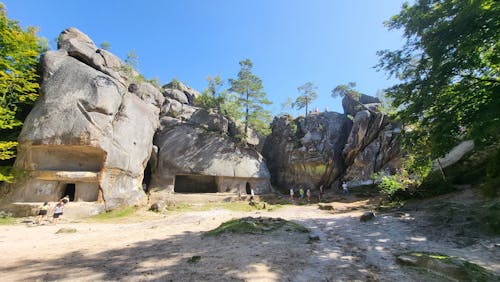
{"x": 251, "y": 96}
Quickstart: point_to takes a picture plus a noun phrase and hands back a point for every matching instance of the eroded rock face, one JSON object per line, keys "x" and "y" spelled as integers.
{"x": 94, "y": 116}
{"x": 189, "y": 150}
{"x": 324, "y": 148}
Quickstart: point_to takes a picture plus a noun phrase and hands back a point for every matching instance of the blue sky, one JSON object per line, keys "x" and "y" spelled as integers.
{"x": 290, "y": 42}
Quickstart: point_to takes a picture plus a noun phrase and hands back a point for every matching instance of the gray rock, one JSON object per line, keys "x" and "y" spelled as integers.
{"x": 367, "y": 216}
{"x": 190, "y": 152}
{"x": 176, "y": 95}
{"x": 188, "y": 92}
{"x": 87, "y": 121}
{"x": 353, "y": 105}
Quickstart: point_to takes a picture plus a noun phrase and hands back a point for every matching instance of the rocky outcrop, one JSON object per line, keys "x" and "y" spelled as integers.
{"x": 197, "y": 150}
{"x": 323, "y": 148}
{"x": 94, "y": 117}
{"x": 188, "y": 150}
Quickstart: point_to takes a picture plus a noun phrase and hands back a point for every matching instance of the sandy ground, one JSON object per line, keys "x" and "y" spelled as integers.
{"x": 158, "y": 248}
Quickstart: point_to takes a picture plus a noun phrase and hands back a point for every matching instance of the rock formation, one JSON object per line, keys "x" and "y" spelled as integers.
{"x": 90, "y": 133}
{"x": 323, "y": 148}
{"x": 196, "y": 150}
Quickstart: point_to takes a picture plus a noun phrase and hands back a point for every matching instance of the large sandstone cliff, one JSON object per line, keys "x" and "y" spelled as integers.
{"x": 90, "y": 133}
{"x": 325, "y": 148}
{"x": 100, "y": 132}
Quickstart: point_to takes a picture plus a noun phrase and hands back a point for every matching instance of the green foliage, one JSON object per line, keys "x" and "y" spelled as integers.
{"x": 211, "y": 97}
{"x": 132, "y": 60}
{"x": 390, "y": 184}
{"x": 307, "y": 95}
{"x": 105, "y": 45}
{"x": 114, "y": 214}
{"x": 449, "y": 72}
{"x": 411, "y": 175}
{"x": 346, "y": 90}
{"x": 19, "y": 54}
{"x": 251, "y": 96}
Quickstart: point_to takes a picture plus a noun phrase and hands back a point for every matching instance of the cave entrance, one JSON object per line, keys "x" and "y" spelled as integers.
{"x": 147, "y": 178}
{"x": 69, "y": 190}
{"x": 248, "y": 190}
{"x": 195, "y": 184}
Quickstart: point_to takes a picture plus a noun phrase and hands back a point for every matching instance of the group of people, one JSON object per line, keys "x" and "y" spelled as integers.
{"x": 345, "y": 190}
{"x": 58, "y": 209}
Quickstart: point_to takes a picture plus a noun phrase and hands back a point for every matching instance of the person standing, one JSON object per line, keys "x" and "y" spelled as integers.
{"x": 42, "y": 213}
{"x": 344, "y": 187}
{"x": 58, "y": 212}
{"x": 308, "y": 194}
{"x": 291, "y": 193}
{"x": 320, "y": 192}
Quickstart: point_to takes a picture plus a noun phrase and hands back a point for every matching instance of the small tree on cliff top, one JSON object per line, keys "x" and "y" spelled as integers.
{"x": 19, "y": 53}
{"x": 251, "y": 96}
{"x": 308, "y": 94}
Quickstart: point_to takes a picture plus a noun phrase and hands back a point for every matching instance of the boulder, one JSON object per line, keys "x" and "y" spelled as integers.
{"x": 306, "y": 150}
{"x": 324, "y": 148}
{"x": 188, "y": 153}
{"x": 210, "y": 120}
{"x": 182, "y": 92}
{"x": 367, "y": 216}
{"x": 91, "y": 117}
{"x": 352, "y": 105}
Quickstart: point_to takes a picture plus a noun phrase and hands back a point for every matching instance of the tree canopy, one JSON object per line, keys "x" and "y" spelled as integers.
{"x": 252, "y": 97}
{"x": 19, "y": 54}
{"x": 448, "y": 70}
{"x": 307, "y": 95}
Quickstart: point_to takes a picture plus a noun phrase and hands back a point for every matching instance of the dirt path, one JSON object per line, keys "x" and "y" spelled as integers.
{"x": 159, "y": 249}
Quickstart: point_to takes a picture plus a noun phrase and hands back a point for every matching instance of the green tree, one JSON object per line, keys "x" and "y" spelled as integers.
{"x": 343, "y": 90}
{"x": 307, "y": 95}
{"x": 106, "y": 45}
{"x": 19, "y": 53}
{"x": 132, "y": 60}
{"x": 449, "y": 72}
{"x": 251, "y": 96}
{"x": 211, "y": 97}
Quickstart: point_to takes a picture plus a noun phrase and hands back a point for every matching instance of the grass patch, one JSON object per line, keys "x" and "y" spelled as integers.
{"x": 450, "y": 267}
{"x": 7, "y": 220}
{"x": 259, "y": 225}
{"x": 115, "y": 214}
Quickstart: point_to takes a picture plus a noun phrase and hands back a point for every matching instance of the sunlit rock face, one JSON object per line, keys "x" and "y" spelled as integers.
{"x": 325, "y": 148}
{"x": 197, "y": 150}
{"x": 90, "y": 133}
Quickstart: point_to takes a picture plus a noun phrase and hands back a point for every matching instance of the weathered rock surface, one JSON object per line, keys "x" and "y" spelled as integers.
{"x": 195, "y": 155}
{"x": 196, "y": 150}
{"x": 306, "y": 150}
{"x": 323, "y": 148}
{"x": 93, "y": 115}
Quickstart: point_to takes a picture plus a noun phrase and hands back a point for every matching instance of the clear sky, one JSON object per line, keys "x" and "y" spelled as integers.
{"x": 290, "y": 42}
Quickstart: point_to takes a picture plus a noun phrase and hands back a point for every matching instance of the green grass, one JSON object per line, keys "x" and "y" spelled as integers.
{"x": 451, "y": 267}
{"x": 250, "y": 225}
{"x": 7, "y": 220}
{"x": 114, "y": 214}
